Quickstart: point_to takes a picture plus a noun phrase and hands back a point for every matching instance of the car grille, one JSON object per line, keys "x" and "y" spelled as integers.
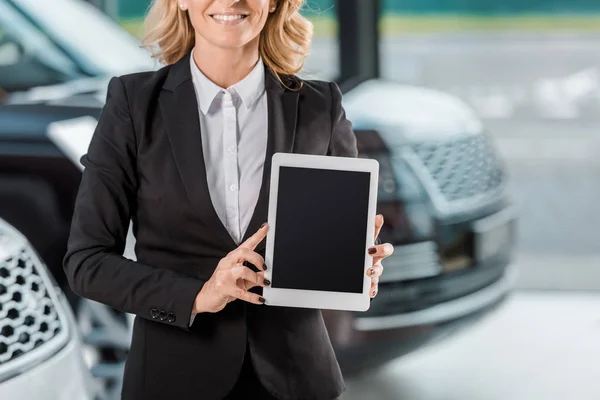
{"x": 30, "y": 317}
{"x": 461, "y": 168}
{"x": 412, "y": 261}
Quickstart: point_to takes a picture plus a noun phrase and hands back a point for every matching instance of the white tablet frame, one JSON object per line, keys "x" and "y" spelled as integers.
{"x": 315, "y": 298}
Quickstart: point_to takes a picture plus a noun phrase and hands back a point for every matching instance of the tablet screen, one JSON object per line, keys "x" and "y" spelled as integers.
{"x": 320, "y": 237}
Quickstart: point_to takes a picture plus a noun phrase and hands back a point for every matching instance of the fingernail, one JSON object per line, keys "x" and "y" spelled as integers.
{"x": 265, "y": 267}
{"x": 261, "y": 299}
{"x": 267, "y": 282}
{"x": 374, "y": 293}
{"x": 372, "y": 250}
{"x": 263, "y": 225}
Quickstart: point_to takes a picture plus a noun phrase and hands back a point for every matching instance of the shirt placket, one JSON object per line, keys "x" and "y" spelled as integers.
{"x": 230, "y": 164}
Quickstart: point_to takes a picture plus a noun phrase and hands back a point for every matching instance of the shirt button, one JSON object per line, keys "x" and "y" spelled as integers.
{"x": 232, "y": 187}
{"x": 231, "y": 150}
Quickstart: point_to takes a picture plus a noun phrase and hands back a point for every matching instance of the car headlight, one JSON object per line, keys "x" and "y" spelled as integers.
{"x": 33, "y": 324}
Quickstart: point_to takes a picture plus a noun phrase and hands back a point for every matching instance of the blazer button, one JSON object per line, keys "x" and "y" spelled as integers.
{"x": 171, "y": 317}
{"x": 154, "y": 313}
{"x": 162, "y": 315}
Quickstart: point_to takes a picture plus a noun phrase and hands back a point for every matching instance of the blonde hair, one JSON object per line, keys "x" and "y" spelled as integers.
{"x": 284, "y": 41}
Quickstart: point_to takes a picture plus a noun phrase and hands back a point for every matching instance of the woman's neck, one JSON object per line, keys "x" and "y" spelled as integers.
{"x": 225, "y": 67}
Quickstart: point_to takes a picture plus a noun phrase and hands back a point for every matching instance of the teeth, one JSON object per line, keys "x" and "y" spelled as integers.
{"x": 227, "y": 17}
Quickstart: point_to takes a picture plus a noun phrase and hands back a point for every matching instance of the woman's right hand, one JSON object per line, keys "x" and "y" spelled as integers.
{"x": 232, "y": 280}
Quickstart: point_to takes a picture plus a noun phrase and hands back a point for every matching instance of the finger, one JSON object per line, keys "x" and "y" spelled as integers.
{"x": 374, "y": 283}
{"x": 244, "y": 295}
{"x": 375, "y": 271}
{"x": 379, "y": 259}
{"x": 378, "y": 224}
{"x": 256, "y": 238}
{"x": 381, "y": 251}
{"x": 242, "y": 254}
{"x": 374, "y": 289}
{"x": 254, "y": 278}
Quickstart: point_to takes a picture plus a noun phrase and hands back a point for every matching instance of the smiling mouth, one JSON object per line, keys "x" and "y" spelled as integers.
{"x": 229, "y": 17}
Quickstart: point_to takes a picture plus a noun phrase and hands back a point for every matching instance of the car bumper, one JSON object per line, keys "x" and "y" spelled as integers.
{"x": 363, "y": 343}
{"x": 59, "y": 378}
{"x": 64, "y": 376}
{"x": 443, "y": 312}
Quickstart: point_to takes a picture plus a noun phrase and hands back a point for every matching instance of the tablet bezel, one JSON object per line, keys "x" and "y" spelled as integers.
{"x": 316, "y": 298}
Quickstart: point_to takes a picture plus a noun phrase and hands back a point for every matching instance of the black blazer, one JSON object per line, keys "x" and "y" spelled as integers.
{"x": 145, "y": 163}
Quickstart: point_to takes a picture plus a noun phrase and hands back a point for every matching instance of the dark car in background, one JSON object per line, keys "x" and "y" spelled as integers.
{"x": 442, "y": 188}
{"x": 444, "y": 194}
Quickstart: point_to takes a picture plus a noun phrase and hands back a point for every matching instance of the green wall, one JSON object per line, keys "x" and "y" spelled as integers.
{"x": 132, "y": 8}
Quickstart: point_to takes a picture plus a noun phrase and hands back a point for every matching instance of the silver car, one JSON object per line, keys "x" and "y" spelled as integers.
{"x": 40, "y": 350}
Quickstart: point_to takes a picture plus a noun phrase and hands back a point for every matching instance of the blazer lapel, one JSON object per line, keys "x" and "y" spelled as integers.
{"x": 179, "y": 108}
{"x": 282, "y": 113}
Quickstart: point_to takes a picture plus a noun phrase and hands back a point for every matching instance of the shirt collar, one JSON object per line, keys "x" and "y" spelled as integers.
{"x": 249, "y": 89}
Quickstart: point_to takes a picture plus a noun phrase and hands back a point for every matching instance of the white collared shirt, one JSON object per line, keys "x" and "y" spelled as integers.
{"x": 233, "y": 123}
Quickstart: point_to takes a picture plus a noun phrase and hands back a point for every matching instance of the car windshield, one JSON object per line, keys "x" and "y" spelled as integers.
{"x": 27, "y": 57}
{"x": 94, "y": 41}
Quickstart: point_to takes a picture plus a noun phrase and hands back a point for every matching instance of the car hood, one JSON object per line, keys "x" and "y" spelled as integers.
{"x": 413, "y": 112}
{"x": 86, "y": 92}
{"x": 409, "y": 113}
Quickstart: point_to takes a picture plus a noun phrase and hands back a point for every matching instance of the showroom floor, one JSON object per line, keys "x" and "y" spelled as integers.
{"x": 540, "y": 345}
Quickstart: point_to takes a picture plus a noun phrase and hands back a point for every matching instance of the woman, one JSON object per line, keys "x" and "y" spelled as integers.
{"x": 185, "y": 152}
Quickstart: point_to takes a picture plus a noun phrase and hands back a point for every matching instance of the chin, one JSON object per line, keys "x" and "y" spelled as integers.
{"x": 232, "y": 42}
{"x": 229, "y": 44}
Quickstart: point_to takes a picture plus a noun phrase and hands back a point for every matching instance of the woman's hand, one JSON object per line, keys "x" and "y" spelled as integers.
{"x": 232, "y": 280}
{"x": 379, "y": 252}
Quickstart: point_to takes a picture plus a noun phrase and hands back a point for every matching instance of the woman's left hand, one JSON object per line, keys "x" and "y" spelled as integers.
{"x": 378, "y": 252}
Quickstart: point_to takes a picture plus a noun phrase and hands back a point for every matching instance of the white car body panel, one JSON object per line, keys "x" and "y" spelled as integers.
{"x": 413, "y": 112}
{"x": 62, "y": 377}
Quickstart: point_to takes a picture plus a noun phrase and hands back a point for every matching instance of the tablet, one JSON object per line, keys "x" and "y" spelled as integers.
{"x": 321, "y": 223}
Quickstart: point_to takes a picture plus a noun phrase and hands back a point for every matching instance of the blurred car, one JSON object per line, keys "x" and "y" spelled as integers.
{"x": 40, "y": 351}
{"x": 444, "y": 195}
{"x": 47, "y": 43}
{"x": 442, "y": 190}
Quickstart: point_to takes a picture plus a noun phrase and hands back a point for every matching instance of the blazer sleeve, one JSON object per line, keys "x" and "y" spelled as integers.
{"x": 343, "y": 140}
{"x": 94, "y": 262}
